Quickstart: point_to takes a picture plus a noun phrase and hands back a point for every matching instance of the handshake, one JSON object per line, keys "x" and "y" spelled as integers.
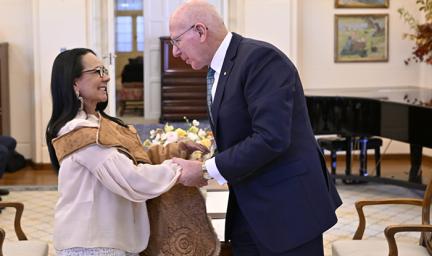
{"x": 191, "y": 173}
{"x": 191, "y": 170}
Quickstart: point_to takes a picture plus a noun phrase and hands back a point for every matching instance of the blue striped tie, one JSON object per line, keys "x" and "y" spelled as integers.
{"x": 210, "y": 81}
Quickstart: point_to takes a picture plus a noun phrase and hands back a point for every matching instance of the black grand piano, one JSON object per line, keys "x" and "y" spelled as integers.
{"x": 398, "y": 113}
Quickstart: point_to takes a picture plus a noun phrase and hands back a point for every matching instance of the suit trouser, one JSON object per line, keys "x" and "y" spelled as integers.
{"x": 245, "y": 243}
{"x": 7, "y": 147}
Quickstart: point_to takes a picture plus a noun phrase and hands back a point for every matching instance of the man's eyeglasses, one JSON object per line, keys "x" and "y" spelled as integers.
{"x": 102, "y": 71}
{"x": 174, "y": 41}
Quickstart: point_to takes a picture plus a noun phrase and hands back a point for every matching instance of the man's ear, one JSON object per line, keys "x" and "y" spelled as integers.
{"x": 201, "y": 29}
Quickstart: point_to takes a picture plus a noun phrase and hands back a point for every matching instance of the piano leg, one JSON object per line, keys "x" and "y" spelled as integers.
{"x": 348, "y": 161}
{"x": 348, "y": 156}
{"x": 415, "y": 173}
{"x": 363, "y": 164}
{"x": 378, "y": 162}
{"x": 363, "y": 156}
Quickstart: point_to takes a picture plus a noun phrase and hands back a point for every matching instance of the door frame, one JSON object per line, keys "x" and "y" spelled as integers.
{"x": 101, "y": 36}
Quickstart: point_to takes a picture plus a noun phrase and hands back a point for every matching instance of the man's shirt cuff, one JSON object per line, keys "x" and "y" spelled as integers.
{"x": 214, "y": 172}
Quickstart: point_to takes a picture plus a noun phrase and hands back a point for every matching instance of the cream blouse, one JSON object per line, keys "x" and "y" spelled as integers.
{"x": 102, "y": 196}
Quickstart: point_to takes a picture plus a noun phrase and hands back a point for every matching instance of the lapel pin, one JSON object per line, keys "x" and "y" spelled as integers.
{"x": 224, "y": 73}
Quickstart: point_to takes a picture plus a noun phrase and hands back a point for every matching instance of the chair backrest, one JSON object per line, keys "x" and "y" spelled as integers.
{"x": 2, "y": 238}
{"x": 23, "y": 246}
{"x": 426, "y": 237}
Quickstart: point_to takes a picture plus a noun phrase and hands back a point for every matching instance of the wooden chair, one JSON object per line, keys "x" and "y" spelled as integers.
{"x": 23, "y": 247}
{"x": 358, "y": 247}
{"x": 131, "y": 97}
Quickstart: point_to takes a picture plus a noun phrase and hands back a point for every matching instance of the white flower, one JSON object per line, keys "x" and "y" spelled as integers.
{"x": 163, "y": 136}
{"x": 202, "y": 133}
{"x": 152, "y": 133}
{"x": 195, "y": 123}
{"x": 192, "y": 136}
{"x": 157, "y": 137}
{"x": 171, "y": 137}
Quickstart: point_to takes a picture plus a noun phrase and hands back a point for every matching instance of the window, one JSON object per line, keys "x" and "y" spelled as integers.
{"x": 129, "y": 24}
{"x": 129, "y": 5}
{"x": 124, "y": 34}
{"x": 140, "y": 33}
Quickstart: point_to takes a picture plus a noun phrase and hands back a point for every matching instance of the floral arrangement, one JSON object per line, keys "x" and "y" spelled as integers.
{"x": 423, "y": 32}
{"x": 169, "y": 134}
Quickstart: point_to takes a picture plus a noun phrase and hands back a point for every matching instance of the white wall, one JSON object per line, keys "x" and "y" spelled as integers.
{"x": 274, "y": 21}
{"x": 16, "y": 29}
{"x": 35, "y": 31}
{"x": 317, "y": 52}
{"x": 318, "y": 69}
{"x": 57, "y": 25}
{"x": 303, "y": 29}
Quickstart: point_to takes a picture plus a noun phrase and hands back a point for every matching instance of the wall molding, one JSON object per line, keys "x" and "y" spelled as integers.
{"x": 37, "y": 108}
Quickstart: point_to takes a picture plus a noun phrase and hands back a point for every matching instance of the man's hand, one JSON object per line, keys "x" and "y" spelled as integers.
{"x": 190, "y": 147}
{"x": 191, "y": 174}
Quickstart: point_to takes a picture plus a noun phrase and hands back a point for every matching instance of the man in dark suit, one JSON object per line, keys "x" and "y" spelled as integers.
{"x": 281, "y": 198}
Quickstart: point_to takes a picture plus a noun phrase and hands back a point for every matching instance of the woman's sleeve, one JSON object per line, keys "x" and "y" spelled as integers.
{"x": 120, "y": 175}
{"x": 159, "y": 153}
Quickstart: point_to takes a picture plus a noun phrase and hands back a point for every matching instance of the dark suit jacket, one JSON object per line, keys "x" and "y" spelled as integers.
{"x": 267, "y": 150}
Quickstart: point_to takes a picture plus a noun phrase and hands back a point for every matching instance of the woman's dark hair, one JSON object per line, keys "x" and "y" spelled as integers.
{"x": 66, "y": 68}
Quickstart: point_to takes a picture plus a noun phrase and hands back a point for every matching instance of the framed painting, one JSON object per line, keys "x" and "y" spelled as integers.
{"x": 362, "y": 3}
{"x": 361, "y": 38}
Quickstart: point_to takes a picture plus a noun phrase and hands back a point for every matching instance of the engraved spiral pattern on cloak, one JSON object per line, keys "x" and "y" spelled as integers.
{"x": 180, "y": 243}
{"x": 183, "y": 239}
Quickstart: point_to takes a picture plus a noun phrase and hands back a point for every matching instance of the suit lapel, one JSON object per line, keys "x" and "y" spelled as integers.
{"x": 224, "y": 75}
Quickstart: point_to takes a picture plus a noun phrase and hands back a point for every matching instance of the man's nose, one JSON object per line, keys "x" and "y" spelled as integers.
{"x": 106, "y": 78}
{"x": 176, "y": 51}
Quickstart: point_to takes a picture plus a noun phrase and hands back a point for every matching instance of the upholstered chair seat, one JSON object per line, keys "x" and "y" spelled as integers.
{"x": 25, "y": 248}
{"x": 390, "y": 246}
{"x": 374, "y": 248}
{"x": 22, "y": 247}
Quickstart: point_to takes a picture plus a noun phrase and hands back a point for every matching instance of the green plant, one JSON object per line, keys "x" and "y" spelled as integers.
{"x": 422, "y": 36}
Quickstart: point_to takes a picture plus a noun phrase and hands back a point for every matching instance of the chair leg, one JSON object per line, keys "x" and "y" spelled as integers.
{"x": 122, "y": 107}
{"x": 333, "y": 161}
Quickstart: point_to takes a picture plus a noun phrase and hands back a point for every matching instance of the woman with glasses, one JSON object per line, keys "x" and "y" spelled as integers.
{"x": 105, "y": 176}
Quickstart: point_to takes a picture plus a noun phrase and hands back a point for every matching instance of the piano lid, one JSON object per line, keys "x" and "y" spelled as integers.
{"x": 405, "y": 95}
{"x": 399, "y": 113}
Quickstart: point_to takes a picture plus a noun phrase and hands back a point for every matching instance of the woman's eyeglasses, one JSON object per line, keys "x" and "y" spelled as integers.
{"x": 102, "y": 71}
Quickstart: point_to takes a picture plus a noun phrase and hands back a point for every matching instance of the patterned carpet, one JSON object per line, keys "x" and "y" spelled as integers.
{"x": 40, "y": 201}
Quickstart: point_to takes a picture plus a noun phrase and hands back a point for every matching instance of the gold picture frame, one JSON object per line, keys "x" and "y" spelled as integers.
{"x": 361, "y": 37}
{"x": 361, "y": 3}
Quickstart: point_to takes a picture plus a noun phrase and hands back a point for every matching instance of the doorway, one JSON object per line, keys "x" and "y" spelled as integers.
{"x": 129, "y": 61}
{"x": 147, "y": 22}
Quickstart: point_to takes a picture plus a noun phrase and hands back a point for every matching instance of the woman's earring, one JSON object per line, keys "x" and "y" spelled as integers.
{"x": 80, "y": 99}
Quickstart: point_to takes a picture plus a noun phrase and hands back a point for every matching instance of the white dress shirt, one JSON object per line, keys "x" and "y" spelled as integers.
{"x": 216, "y": 64}
{"x": 102, "y": 196}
